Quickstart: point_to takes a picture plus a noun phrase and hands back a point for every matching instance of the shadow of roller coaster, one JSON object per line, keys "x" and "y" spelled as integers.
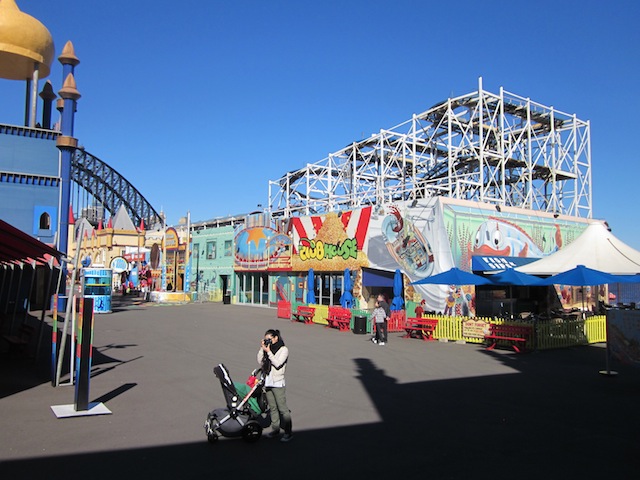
{"x": 110, "y": 189}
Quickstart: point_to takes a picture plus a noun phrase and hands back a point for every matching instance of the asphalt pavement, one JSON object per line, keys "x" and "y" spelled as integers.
{"x": 411, "y": 408}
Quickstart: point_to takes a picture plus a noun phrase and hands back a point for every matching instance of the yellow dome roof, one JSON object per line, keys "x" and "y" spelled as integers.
{"x": 23, "y": 41}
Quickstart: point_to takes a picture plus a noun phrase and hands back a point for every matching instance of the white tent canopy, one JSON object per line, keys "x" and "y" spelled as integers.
{"x": 595, "y": 248}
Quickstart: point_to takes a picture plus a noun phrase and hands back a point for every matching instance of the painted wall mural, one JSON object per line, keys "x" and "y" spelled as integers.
{"x": 421, "y": 239}
{"x": 414, "y": 240}
{"x": 406, "y": 244}
{"x": 484, "y": 232}
{"x": 262, "y": 248}
{"x": 331, "y": 242}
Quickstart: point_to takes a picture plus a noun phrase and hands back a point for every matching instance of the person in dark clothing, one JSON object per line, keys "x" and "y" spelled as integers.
{"x": 382, "y": 303}
{"x": 272, "y": 357}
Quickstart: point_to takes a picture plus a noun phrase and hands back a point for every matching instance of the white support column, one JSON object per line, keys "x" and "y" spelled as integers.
{"x": 34, "y": 95}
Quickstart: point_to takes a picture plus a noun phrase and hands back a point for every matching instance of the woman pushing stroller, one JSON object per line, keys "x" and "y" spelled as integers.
{"x": 272, "y": 357}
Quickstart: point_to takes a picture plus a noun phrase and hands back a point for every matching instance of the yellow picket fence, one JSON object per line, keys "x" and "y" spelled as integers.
{"x": 548, "y": 334}
{"x": 554, "y": 333}
{"x": 596, "y": 329}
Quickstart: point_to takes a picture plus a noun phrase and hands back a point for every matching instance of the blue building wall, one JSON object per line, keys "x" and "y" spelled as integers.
{"x": 29, "y": 182}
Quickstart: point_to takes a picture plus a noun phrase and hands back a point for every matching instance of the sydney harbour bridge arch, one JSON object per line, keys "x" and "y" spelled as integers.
{"x": 99, "y": 188}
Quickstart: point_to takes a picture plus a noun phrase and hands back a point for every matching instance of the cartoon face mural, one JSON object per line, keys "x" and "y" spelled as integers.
{"x": 503, "y": 238}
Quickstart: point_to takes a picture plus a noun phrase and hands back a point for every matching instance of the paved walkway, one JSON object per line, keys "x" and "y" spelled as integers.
{"x": 410, "y": 409}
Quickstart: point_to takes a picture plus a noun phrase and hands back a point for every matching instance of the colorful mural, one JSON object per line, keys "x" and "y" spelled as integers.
{"x": 474, "y": 231}
{"x": 332, "y": 242}
{"x": 412, "y": 238}
{"x": 423, "y": 238}
{"x": 406, "y": 244}
{"x": 262, "y": 248}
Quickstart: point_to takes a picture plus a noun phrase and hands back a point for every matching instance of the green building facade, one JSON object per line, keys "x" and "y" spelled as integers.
{"x": 212, "y": 263}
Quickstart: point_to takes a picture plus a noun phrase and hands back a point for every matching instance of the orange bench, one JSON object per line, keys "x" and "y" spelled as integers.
{"x": 339, "y": 318}
{"x": 518, "y": 335}
{"x": 420, "y": 328}
{"x": 303, "y": 314}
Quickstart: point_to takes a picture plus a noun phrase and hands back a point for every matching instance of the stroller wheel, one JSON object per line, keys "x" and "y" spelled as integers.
{"x": 251, "y": 432}
{"x": 212, "y": 437}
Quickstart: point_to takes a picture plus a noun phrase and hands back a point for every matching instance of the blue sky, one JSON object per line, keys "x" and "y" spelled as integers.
{"x": 200, "y": 103}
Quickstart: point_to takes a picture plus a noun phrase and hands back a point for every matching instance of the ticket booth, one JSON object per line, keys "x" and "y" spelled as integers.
{"x": 97, "y": 284}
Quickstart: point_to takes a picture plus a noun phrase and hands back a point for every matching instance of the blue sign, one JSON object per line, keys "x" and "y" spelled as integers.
{"x": 487, "y": 263}
{"x": 119, "y": 264}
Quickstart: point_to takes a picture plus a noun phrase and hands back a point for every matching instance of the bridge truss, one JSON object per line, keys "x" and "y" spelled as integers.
{"x": 501, "y": 149}
{"x": 100, "y": 188}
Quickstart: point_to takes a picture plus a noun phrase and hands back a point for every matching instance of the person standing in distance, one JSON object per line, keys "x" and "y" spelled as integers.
{"x": 382, "y": 302}
{"x": 379, "y": 316}
{"x": 273, "y": 356}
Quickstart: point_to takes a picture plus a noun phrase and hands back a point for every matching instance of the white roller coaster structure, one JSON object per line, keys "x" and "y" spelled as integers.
{"x": 500, "y": 149}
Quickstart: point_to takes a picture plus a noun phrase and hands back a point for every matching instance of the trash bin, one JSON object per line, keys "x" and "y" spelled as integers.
{"x": 360, "y": 324}
{"x": 226, "y": 299}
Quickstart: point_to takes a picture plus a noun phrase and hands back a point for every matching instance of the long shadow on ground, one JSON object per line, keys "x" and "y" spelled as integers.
{"x": 555, "y": 418}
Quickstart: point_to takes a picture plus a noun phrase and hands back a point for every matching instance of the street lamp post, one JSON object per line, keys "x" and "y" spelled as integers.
{"x": 198, "y": 271}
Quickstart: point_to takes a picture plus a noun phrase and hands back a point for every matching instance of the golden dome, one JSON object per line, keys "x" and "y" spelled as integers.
{"x": 23, "y": 42}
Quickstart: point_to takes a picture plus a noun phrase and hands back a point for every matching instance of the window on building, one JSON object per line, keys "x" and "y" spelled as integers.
{"x": 227, "y": 248}
{"x": 45, "y": 221}
{"x": 211, "y": 250}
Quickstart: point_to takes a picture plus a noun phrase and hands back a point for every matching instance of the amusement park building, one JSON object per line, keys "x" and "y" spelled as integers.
{"x": 481, "y": 182}
{"x": 476, "y": 181}
{"x": 43, "y": 170}
{"x": 44, "y": 174}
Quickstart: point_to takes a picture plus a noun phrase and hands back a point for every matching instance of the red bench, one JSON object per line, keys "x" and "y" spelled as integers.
{"x": 303, "y": 314}
{"x": 420, "y": 328}
{"x": 339, "y": 318}
{"x": 518, "y": 335}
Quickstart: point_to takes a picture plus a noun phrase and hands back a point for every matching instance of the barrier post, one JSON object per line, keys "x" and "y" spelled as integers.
{"x": 54, "y": 340}
{"x": 83, "y": 355}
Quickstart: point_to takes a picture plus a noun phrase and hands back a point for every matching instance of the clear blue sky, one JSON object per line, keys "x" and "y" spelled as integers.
{"x": 200, "y": 103}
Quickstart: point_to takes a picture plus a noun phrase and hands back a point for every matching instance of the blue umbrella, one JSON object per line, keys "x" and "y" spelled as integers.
{"x": 580, "y": 276}
{"x": 311, "y": 295}
{"x": 397, "y": 303}
{"x": 346, "y": 300}
{"x": 628, "y": 278}
{"x": 514, "y": 277}
{"x": 454, "y": 276}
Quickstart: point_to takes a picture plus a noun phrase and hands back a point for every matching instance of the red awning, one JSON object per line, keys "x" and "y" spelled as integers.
{"x": 17, "y": 246}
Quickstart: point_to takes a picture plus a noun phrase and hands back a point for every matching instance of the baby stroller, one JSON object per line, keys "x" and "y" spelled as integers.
{"x": 244, "y": 415}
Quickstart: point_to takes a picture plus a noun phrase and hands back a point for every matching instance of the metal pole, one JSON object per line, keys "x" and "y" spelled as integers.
{"x": 27, "y": 304}
{"x": 198, "y": 272}
{"x": 67, "y": 313}
{"x": 47, "y": 298}
{"x": 187, "y": 255}
{"x": 15, "y": 301}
